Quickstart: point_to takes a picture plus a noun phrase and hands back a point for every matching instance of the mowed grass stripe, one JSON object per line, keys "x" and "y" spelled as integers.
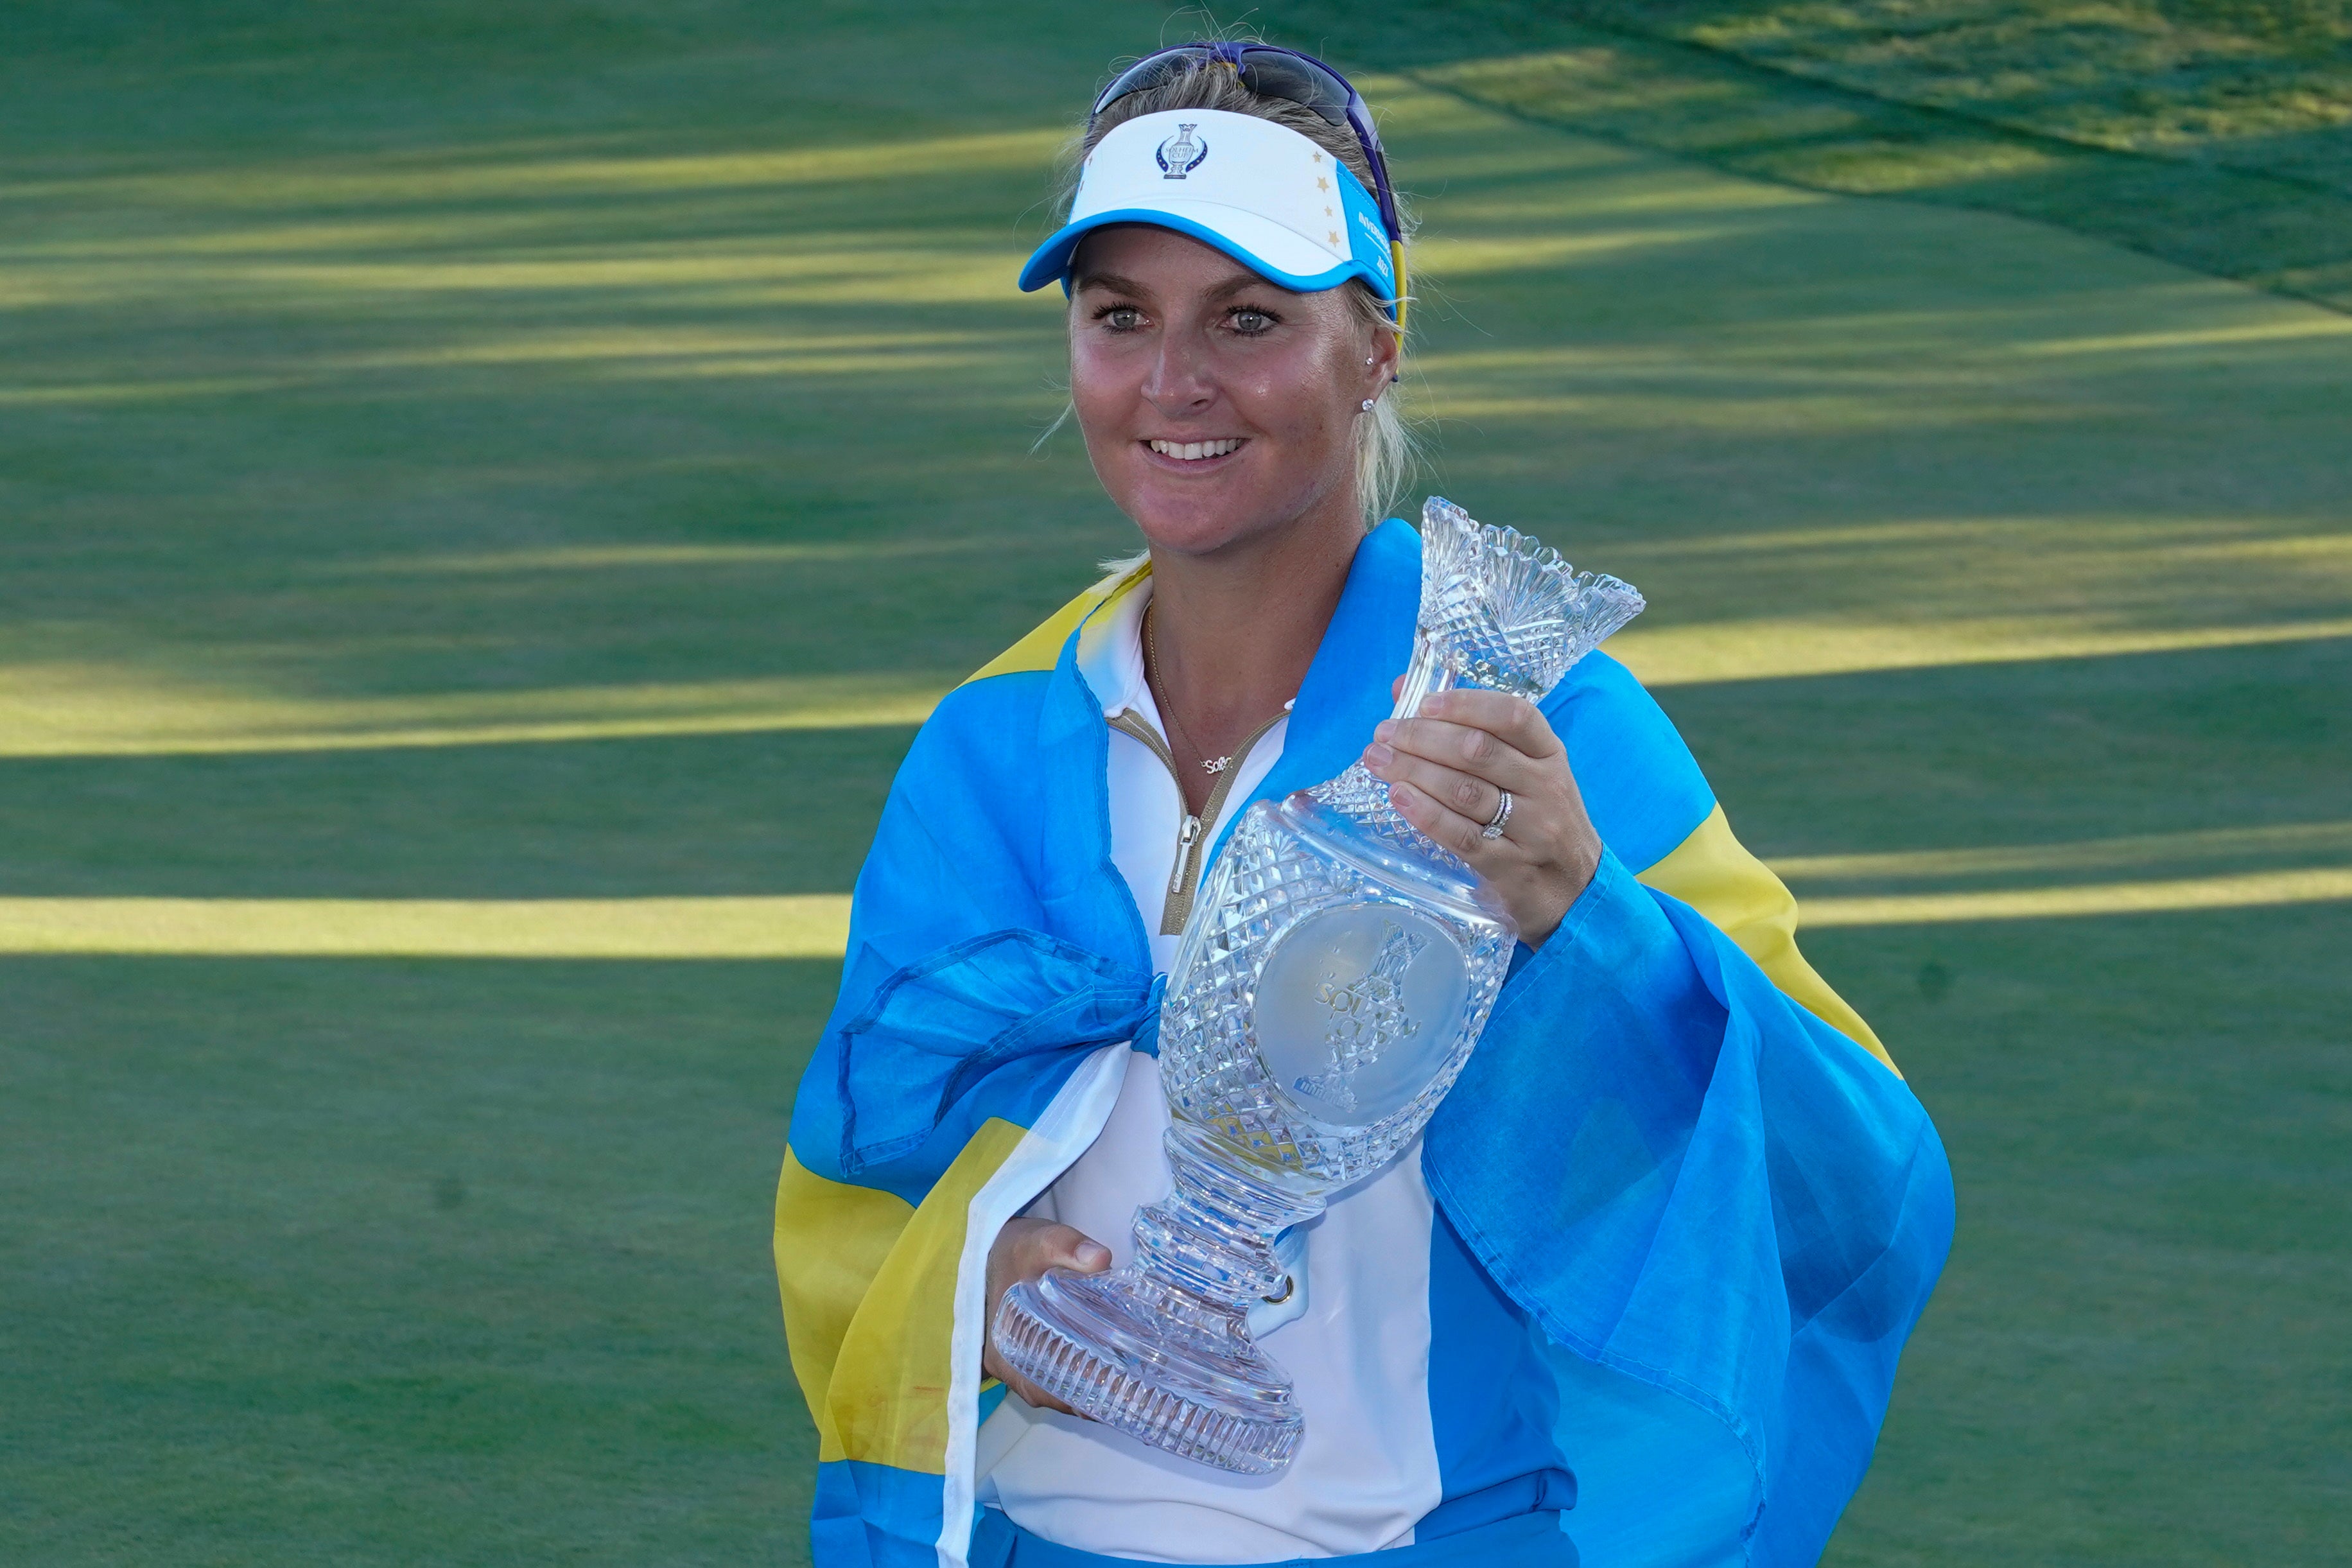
{"x": 816, "y": 925}
{"x": 812, "y": 925}
{"x": 102, "y": 713}
{"x": 2255, "y": 890}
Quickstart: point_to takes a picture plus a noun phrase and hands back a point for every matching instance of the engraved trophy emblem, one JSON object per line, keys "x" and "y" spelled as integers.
{"x": 1337, "y": 969}
{"x": 1368, "y": 1017}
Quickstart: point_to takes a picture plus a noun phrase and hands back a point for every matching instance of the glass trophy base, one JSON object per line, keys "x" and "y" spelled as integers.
{"x": 1158, "y": 1363}
{"x": 1160, "y": 1349}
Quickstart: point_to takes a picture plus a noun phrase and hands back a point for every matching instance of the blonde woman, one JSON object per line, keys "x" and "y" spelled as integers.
{"x": 1638, "y": 1293}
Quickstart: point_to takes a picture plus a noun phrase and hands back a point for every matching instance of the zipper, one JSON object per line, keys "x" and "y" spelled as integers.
{"x": 1192, "y": 836}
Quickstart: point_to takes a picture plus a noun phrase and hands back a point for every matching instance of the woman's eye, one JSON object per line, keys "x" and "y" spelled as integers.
{"x": 1250, "y": 323}
{"x": 1121, "y": 317}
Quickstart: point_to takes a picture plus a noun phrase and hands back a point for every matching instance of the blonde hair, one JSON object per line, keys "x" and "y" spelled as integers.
{"x": 1388, "y": 450}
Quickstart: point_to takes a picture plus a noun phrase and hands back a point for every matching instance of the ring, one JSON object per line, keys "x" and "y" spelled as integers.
{"x": 1494, "y": 829}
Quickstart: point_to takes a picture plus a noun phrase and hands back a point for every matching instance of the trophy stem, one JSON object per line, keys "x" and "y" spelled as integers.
{"x": 1213, "y": 1236}
{"x": 1160, "y": 1349}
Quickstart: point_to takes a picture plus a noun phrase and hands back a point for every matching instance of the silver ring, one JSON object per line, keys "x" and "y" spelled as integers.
{"x": 1494, "y": 829}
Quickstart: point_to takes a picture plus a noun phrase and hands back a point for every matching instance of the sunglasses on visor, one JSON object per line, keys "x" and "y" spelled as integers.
{"x": 1293, "y": 78}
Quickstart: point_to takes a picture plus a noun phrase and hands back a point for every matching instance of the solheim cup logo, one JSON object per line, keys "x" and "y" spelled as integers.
{"x": 1368, "y": 1017}
{"x": 1335, "y": 974}
{"x": 1182, "y": 153}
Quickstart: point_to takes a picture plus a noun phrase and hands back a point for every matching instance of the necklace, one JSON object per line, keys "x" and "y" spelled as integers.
{"x": 1209, "y": 764}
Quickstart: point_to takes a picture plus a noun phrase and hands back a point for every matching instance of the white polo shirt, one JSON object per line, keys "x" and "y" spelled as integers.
{"x": 1357, "y": 1350}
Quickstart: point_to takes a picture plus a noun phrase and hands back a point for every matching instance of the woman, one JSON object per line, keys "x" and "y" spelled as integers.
{"x": 1639, "y": 1292}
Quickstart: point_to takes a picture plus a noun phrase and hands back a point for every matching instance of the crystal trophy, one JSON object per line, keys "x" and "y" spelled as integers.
{"x": 1337, "y": 970}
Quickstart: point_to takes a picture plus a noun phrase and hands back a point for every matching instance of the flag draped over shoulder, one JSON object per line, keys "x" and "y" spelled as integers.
{"x": 1676, "y": 1149}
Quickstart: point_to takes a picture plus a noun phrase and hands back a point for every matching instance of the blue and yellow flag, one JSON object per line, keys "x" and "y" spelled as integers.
{"x": 1683, "y": 1160}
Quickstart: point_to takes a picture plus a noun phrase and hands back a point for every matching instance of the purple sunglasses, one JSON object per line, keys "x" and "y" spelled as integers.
{"x": 1286, "y": 74}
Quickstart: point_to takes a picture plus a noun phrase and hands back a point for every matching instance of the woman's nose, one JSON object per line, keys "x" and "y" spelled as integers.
{"x": 1178, "y": 382}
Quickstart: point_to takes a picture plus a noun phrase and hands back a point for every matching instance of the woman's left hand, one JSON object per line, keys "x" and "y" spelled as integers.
{"x": 1446, "y": 769}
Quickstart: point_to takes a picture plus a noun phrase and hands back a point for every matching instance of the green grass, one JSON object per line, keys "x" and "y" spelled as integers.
{"x": 2214, "y": 134}
{"x": 2259, "y": 85}
{"x": 395, "y": 1262}
{"x": 550, "y": 451}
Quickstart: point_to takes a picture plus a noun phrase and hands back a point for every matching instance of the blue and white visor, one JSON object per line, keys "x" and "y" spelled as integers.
{"x": 1262, "y": 193}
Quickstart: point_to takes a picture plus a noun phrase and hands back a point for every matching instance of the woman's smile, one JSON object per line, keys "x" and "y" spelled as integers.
{"x": 1194, "y": 456}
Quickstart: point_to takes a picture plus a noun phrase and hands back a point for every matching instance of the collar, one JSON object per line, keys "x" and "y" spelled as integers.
{"x": 1110, "y": 650}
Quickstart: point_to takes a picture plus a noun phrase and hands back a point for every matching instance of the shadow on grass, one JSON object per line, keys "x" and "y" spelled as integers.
{"x": 289, "y": 476}
{"x": 2209, "y": 135}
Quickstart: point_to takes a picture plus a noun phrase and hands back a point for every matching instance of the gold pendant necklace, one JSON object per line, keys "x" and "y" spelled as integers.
{"x": 1151, "y": 678}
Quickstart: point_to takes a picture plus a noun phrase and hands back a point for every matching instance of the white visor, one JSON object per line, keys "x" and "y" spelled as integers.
{"x": 1262, "y": 193}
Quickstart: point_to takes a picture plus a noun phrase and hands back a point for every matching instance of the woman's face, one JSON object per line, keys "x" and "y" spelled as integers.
{"x": 1174, "y": 348}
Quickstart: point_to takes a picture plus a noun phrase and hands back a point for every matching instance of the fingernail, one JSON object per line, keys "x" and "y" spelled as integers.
{"x": 1094, "y": 1255}
{"x": 1378, "y": 756}
{"x": 1384, "y": 731}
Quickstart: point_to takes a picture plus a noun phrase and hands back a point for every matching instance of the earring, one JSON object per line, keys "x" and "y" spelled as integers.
{"x": 1367, "y": 405}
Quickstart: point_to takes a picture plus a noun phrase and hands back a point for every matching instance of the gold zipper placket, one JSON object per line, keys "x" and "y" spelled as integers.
{"x": 1192, "y": 836}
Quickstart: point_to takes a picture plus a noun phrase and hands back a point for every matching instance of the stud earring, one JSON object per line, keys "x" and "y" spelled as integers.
{"x": 1367, "y": 405}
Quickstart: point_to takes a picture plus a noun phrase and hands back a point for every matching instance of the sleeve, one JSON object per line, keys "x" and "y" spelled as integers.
{"x": 1685, "y": 1157}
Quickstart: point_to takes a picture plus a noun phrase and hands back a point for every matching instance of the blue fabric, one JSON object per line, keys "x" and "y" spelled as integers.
{"x": 1664, "y": 1165}
{"x": 1688, "y": 1179}
{"x": 1528, "y": 1537}
{"x": 938, "y": 1026}
{"x": 1550, "y": 1490}
{"x": 1641, "y": 786}
{"x": 1493, "y": 1406}
{"x": 998, "y": 821}
{"x": 875, "y": 1516}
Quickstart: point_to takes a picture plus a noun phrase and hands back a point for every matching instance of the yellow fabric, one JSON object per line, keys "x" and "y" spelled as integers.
{"x": 1714, "y": 873}
{"x": 832, "y": 1238}
{"x": 1042, "y": 646}
{"x": 869, "y": 1289}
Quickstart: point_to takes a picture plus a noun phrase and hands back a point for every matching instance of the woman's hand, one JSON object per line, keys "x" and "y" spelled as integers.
{"x": 1447, "y": 768}
{"x": 1025, "y": 1250}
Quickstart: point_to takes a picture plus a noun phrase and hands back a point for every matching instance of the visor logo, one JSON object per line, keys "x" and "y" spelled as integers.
{"x": 1182, "y": 153}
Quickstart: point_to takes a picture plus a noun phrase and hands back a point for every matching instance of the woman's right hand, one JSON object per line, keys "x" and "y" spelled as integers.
{"x": 1025, "y": 1250}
